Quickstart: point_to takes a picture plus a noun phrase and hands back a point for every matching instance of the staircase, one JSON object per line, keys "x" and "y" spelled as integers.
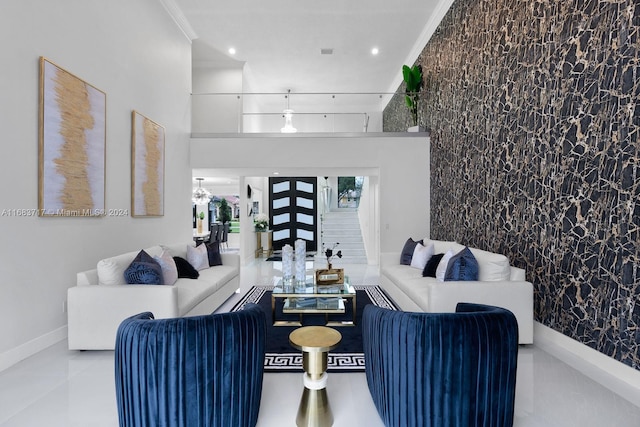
{"x": 343, "y": 226}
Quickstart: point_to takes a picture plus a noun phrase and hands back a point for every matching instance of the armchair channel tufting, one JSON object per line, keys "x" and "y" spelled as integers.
{"x": 442, "y": 369}
{"x": 191, "y": 371}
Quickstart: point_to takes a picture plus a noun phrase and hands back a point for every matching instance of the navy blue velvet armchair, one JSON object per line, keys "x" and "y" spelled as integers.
{"x": 192, "y": 371}
{"x": 442, "y": 369}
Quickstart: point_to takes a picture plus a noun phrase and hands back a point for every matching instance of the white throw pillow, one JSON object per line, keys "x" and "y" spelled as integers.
{"x": 177, "y": 249}
{"x": 111, "y": 270}
{"x": 442, "y": 246}
{"x": 421, "y": 255}
{"x": 168, "y": 265}
{"x": 444, "y": 263}
{"x": 492, "y": 266}
{"x": 198, "y": 257}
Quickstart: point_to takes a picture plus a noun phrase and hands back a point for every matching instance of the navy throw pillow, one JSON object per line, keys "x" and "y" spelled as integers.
{"x": 462, "y": 266}
{"x": 432, "y": 265}
{"x": 144, "y": 270}
{"x": 407, "y": 251}
{"x": 213, "y": 252}
{"x": 185, "y": 269}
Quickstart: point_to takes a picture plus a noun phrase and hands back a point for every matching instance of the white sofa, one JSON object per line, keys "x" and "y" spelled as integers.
{"x": 101, "y": 300}
{"x": 498, "y": 284}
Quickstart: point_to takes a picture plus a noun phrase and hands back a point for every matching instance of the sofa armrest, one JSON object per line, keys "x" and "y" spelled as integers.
{"x": 87, "y": 278}
{"x": 95, "y": 312}
{"x": 448, "y": 294}
{"x": 514, "y": 295}
{"x": 518, "y": 274}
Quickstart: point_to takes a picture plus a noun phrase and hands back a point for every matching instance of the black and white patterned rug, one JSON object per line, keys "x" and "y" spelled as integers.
{"x": 347, "y": 357}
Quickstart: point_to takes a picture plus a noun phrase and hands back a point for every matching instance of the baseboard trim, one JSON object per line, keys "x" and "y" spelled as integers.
{"x": 616, "y": 376}
{"x": 16, "y": 354}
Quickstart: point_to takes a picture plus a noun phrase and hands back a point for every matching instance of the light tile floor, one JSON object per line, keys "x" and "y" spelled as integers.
{"x": 62, "y": 388}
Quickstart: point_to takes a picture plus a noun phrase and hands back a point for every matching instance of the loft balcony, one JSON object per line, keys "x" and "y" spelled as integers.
{"x": 285, "y": 112}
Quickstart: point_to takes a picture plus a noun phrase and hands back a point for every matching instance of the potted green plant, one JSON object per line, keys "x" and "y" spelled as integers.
{"x": 413, "y": 85}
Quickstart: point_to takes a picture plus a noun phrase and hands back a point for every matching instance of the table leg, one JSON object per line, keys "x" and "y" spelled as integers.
{"x": 273, "y": 309}
{"x": 353, "y": 306}
{"x": 314, "y": 409}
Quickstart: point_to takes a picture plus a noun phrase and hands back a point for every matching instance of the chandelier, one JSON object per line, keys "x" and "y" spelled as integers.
{"x": 200, "y": 195}
{"x": 288, "y": 116}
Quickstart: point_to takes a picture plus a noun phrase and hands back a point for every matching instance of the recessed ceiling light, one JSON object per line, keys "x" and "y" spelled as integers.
{"x": 232, "y": 50}
{"x": 374, "y": 51}
{"x": 276, "y": 173}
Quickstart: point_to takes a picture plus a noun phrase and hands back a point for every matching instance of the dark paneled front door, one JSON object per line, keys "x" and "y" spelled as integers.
{"x": 294, "y": 212}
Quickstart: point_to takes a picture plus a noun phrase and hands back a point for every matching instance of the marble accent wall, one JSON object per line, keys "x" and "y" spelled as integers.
{"x": 535, "y": 125}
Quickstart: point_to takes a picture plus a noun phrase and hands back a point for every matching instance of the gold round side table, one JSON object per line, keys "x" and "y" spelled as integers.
{"x": 315, "y": 343}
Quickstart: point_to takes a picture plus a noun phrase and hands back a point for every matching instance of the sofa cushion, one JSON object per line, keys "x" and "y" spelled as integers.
{"x": 400, "y": 274}
{"x": 491, "y": 266}
{"x": 407, "y": 251}
{"x": 421, "y": 255}
{"x": 410, "y": 282}
{"x": 178, "y": 249}
{"x": 168, "y": 266}
{"x": 198, "y": 257}
{"x": 185, "y": 270}
{"x": 431, "y": 266}
{"x": 193, "y": 292}
{"x": 111, "y": 270}
{"x": 443, "y": 264}
{"x": 143, "y": 270}
{"x": 462, "y": 266}
{"x": 442, "y": 246}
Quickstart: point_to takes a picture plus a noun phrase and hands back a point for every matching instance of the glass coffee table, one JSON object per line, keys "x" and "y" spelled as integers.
{"x": 310, "y": 298}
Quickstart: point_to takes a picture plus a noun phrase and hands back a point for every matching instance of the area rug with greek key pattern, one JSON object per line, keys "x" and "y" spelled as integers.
{"x": 347, "y": 357}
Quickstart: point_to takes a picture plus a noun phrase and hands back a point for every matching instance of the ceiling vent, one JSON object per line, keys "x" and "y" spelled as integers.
{"x": 326, "y": 51}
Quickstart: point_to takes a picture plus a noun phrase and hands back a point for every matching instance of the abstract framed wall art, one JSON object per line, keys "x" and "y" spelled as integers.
{"x": 147, "y": 166}
{"x": 71, "y": 144}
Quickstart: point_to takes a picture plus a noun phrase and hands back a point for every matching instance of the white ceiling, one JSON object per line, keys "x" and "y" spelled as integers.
{"x": 278, "y": 45}
{"x": 278, "y": 42}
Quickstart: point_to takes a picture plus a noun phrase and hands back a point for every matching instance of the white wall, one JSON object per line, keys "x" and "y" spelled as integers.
{"x": 332, "y": 182}
{"x": 367, "y": 209}
{"x": 133, "y": 51}
{"x": 400, "y": 163}
{"x": 260, "y": 193}
{"x": 217, "y": 113}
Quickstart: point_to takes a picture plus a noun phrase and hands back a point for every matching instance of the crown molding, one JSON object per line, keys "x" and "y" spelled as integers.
{"x": 178, "y": 17}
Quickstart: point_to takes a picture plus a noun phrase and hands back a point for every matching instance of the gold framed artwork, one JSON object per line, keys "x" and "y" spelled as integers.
{"x": 71, "y": 144}
{"x": 147, "y": 166}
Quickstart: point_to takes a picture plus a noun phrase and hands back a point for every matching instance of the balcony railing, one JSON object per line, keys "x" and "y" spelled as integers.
{"x": 310, "y": 112}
